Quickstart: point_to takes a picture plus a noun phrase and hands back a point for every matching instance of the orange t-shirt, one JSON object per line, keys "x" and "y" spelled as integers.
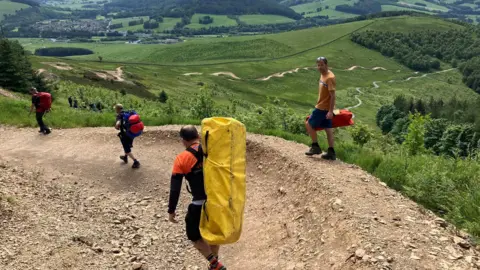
{"x": 185, "y": 161}
{"x": 327, "y": 83}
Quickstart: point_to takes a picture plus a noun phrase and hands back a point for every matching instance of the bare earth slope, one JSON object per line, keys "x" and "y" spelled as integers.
{"x": 73, "y": 205}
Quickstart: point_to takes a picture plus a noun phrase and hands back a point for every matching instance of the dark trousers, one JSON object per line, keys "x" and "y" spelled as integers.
{"x": 42, "y": 125}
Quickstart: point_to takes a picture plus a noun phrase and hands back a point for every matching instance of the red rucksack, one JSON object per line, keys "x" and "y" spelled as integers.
{"x": 341, "y": 118}
{"x": 45, "y": 103}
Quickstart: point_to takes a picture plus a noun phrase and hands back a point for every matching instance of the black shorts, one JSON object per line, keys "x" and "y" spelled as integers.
{"x": 127, "y": 143}
{"x": 192, "y": 221}
{"x": 318, "y": 119}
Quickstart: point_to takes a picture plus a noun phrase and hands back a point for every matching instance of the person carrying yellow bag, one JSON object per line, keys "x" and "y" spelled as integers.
{"x": 215, "y": 169}
{"x": 189, "y": 164}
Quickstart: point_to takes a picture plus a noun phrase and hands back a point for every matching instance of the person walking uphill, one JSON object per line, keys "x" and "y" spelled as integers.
{"x": 125, "y": 138}
{"x": 322, "y": 115}
{"x": 42, "y": 103}
{"x": 189, "y": 164}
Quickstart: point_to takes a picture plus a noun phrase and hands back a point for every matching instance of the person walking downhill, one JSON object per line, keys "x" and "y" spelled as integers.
{"x": 189, "y": 164}
{"x": 127, "y": 141}
{"x": 322, "y": 115}
{"x": 41, "y": 102}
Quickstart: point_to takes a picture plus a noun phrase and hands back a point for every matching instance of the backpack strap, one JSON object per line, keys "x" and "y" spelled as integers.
{"x": 199, "y": 156}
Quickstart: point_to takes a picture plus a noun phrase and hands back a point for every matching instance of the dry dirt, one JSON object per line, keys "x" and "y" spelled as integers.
{"x": 58, "y": 65}
{"x": 69, "y": 203}
{"x": 116, "y": 75}
{"x": 7, "y": 94}
{"x": 230, "y": 74}
{"x": 282, "y": 74}
{"x": 374, "y": 68}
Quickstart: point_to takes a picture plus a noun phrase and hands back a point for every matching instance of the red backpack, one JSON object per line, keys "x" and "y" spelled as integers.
{"x": 45, "y": 103}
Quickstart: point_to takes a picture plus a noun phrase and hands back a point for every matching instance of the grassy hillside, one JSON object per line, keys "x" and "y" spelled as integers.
{"x": 7, "y": 7}
{"x": 298, "y": 90}
{"x": 264, "y": 19}
{"x": 292, "y": 49}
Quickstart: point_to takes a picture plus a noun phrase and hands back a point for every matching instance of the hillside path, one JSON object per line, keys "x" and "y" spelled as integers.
{"x": 78, "y": 207}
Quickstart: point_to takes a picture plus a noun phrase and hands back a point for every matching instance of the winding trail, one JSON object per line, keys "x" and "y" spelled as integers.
{"x": 375, "y": 85}
{"x": 78, "y": 207}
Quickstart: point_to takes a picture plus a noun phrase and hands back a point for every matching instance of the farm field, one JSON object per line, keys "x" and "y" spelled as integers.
{"x": 264, "y": 19}
{"x": 218, "y": 20}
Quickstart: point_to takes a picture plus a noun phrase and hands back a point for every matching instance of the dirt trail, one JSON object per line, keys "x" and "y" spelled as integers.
{"x": 58, "y": 65}
{"x": 282, "y": 74}
{"x": 116, "y": 75}
{"x": 77, "y": 207}
{"x": 230, "y": 74}
{"x": 375, "y": 85}
{"x": 374, "y": 68}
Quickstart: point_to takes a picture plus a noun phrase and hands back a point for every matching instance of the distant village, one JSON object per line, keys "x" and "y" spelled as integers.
{"x": 98, "y": 26}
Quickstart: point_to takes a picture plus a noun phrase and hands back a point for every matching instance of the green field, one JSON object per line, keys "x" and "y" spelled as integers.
{"x": 396, "y": 8}
{"x": 310, "y": 9}
{"x": 428, "y": 4}
{"x": 7, "y": 8}
{"x": 264, "y": 19}
{"x": 218, "y": 20}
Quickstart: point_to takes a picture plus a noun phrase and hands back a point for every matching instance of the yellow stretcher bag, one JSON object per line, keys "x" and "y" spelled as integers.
{"x": 224, "y": 168}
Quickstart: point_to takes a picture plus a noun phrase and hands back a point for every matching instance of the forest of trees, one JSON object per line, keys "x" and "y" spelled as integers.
{"x": 16, "y": 71}
{"x": 180, "y": 8}
{"x": 136, "y": 22}
{"x": 454, "y": 127}
{"x": 62, "y": 51}
{"x": 361, "y": 7}
{"x": 205, "y": 20}
{"x": 422, "y": 50}
{"x": 151, "y": 25}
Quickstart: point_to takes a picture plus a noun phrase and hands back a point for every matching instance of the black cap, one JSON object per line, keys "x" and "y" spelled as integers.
{"x": 324, "y": 59}
{"x": 189, "y": 133}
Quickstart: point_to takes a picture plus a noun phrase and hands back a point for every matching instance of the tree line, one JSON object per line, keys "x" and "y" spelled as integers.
{"x": 16, "y": 73}
{"x": 189, "y": 7}
{"x": 452, "y": 127}
{"x": 422, "y": 50}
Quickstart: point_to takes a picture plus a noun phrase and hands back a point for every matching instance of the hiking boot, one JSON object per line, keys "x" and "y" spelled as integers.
{"x": 314, "y": 150}
{"x": 136, "y": 164}
{"x": 218, "y": 266}
{"x": 47, "y": 131}
{"x": 124, "y": 158}
{"x": 330, "y": 155}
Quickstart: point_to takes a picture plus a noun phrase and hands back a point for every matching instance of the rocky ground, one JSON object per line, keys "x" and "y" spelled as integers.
{"x": 67, "y": 202}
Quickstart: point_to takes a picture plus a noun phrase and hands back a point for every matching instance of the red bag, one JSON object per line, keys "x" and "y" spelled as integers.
{"x": 45, "y": 101}
{"x": 341, "y": 118}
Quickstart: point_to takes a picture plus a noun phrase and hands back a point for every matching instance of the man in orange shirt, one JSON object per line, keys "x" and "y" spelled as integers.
{"x": 189, "y": 164}
{"x": 322, "y": 115}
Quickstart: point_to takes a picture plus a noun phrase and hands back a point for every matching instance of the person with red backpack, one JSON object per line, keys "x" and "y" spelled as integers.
{"x": 42, "y": 102}
{"x": 130, "y": 126}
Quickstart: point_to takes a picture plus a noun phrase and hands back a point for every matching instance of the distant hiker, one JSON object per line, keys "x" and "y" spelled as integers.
{"x": 70, "y": 101}
{"x": 322, "y": 115}
{"x": 42, "y": 103}
{"x": 189, "y": 164}
{"x": 126, "y": 137}
{"x": 99, "y": 106}
{"x": 75, "y": 103}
